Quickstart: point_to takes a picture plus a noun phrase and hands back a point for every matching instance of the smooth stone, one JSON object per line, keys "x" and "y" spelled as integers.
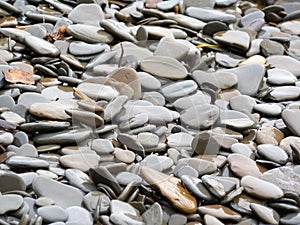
{"x": 124, "y": 178}
{"x": 186, "y": 102}
{"x": 83, "y": 161}
{"x": 186, "y": 21}
{"x": 90, "y": 14}
{"x": 261, "y": 188}
{"x": 284, "y": 93}
{"x": 63, "y": 195}
{"x": 242, "y": 149}
{"x": 153, "y": 215}
{"x": 180, "y": 140}
{"x": 202, "y": 166}
{"x": 89, "y": 34}
{"x": 80, "y": 48}
{"x": 148, "y": 140}
{"x": 249, "y": 78}
{"x": 6, "y": 101}
{"x": 155, "y": 98}
{"x": 125, "y": 156}
{"x": 227, "y": 60}
{"x": 293, "y": 49}
{"x": 29, "y": 98}
{"x": 167, "y": 5}
{"x": 44, "y": 126}
{"x": 290, "y": 27}
{"x": 254, "y": 47}
{"x": 214, "y": 186}
{"x": 164, "y": 66}
{"x": 44, "y": 201}
{"x": 224, "y": 3}
{"x": 156, "y": 114}
{"x": 88, "y": 118}
{"x": 149, "y": 82}
{"x": 12, "y": 117}
{"x": 128, "y": 76}
{"x": 242, "y": 103}
{"x": 177, "y": 219}
{"x": 27, "y": 150}
{"x": 53, "y": 110}
{"x": 172, "y": 48}
{"x": 273, "y": 153}
{"x": 290, "y": 219}
{"x": 222, "y": 80}
{"x": 98, "y": 91}
{"x": 53, "y": 93}
{"x": 267, "y": 134}
{"x": 10, "y": 202}
{"x": 91, "y": 200}
{"x": 288, "y": 116}
{"x": 15, "y": 34}
{"x": 40, "y": 46}
{"x": 235, "y": 39}
{"x": 63, "y": 137}
{"x": 220, "y": 212}
{"x": 213, "y": 27}
{"x": 81, "y": 180}
{"x": 208, "y": 15}
{"x": 268, "y": 109}
{"x": 204, "y": 143}
{"x": 37, "y": 30}
{"x": 153, "y": 162}
{"x": 211, "y": 220}
{"x": 6, "y": 138}
{"x": 171, "y": 188}
{"x": 178, "y": 89}
{"x": 79, "y": 215}
{"x": 26, "y": 162}
{"x": 266, "y": 214}
{"x": 285, "y": 62}
{"x": 47, "y": 173}
{"x": 196, "y": 186}
{"x": 52, "y": 213}
{"x": 102, "y": 146}
{"x": 269, "y": 47}
{"x": 242, "y": 165}
{"x": 249, "y": 18}
{"x": 235, "y": 119}
{"x": 10, "y": 182}
{"x": 206, "y": 116}
{"x": 101, "y": 175}
{"x": 131, "y": 142}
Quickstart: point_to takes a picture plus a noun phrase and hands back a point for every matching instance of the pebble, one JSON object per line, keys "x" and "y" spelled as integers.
{"x": 149, "y": 112}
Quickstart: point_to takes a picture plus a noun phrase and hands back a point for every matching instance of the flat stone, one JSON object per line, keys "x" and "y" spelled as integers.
{"x": 220, "y": 212}
{"x": 186, "y": 102}
{"x": 81, "y": 180}
{"x": 242, "y": 149}
{"x": 52, "y": 213}
{"x": 14, "y": 33}
{"x": 208, "y": 15}
{"x": 90, "y": 34}
{"x": 288, "y": 116}
{"x": 90, "y": 14}
{"x": 148, "y": 140}
{"x": 79, "y": 215}
{"x": 236, "y": 39}
{"x": 63, "y": 195}
{"x": 242, "y": 103}
{"x": 285, "y": 62}
{"x": 27, "y": 150}
{"x": 266, "y": 214}
{"x": 63, "y": 137}
{"x": 268, "y": 134}
{"x": 12, "y": 117}
{"x": 10, "y": 202}
{"x": 124, "y": 178}
{"x": 178, "y": 89}
{"x": 268, "y": 109}
{"x": 214, "y": 186}
{"x": 125, "y": 156}
{"x": 6, "y": 138}
{"x": 98, "y": 91}
{"x": 242, "y": 165}
{"x": 285, "y": 93}
{"x": 171, "y": 188}
{"x": 80, "y": 48}
{"x": 149, "y": 82}
{"x": 26, "y": 162}
{"x": 153, "y": 215}
{"x": 235, "y": 119}
{"x": 213, "y": 27}
{"x": 40, "y": 46}
{"x": 290, "y": 27}
{"x": 164, "y": 66}
{"x": 290, "y": 219}
{"x": 10, "y": 182}
{"x": 273, "y": 153}
{"x": 186, "y": 21}
{"x": 83, "y": 161}
{"x": 261, "y": 188}
{"x": 208, "y": 219}
{"x": 200, "y": 116}
{"x": 269, "y": 47}
{"x": 6, "y": 101}
{"x": 249, "y": 78}
{"x": 91, "y": 201}
{"x": 29, "y": 98}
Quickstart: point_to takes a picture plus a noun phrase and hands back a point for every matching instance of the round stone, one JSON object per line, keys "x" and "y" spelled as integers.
{"x": 52, "y": 213}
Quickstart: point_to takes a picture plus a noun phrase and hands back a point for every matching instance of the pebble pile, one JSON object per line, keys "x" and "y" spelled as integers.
{"x": 149, "y": 112}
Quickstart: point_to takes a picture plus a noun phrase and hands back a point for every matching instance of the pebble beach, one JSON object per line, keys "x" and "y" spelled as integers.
{"x": 150, "y": 112}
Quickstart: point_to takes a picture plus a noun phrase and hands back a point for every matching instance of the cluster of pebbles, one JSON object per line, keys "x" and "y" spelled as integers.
{"x": 149, "y": 112}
